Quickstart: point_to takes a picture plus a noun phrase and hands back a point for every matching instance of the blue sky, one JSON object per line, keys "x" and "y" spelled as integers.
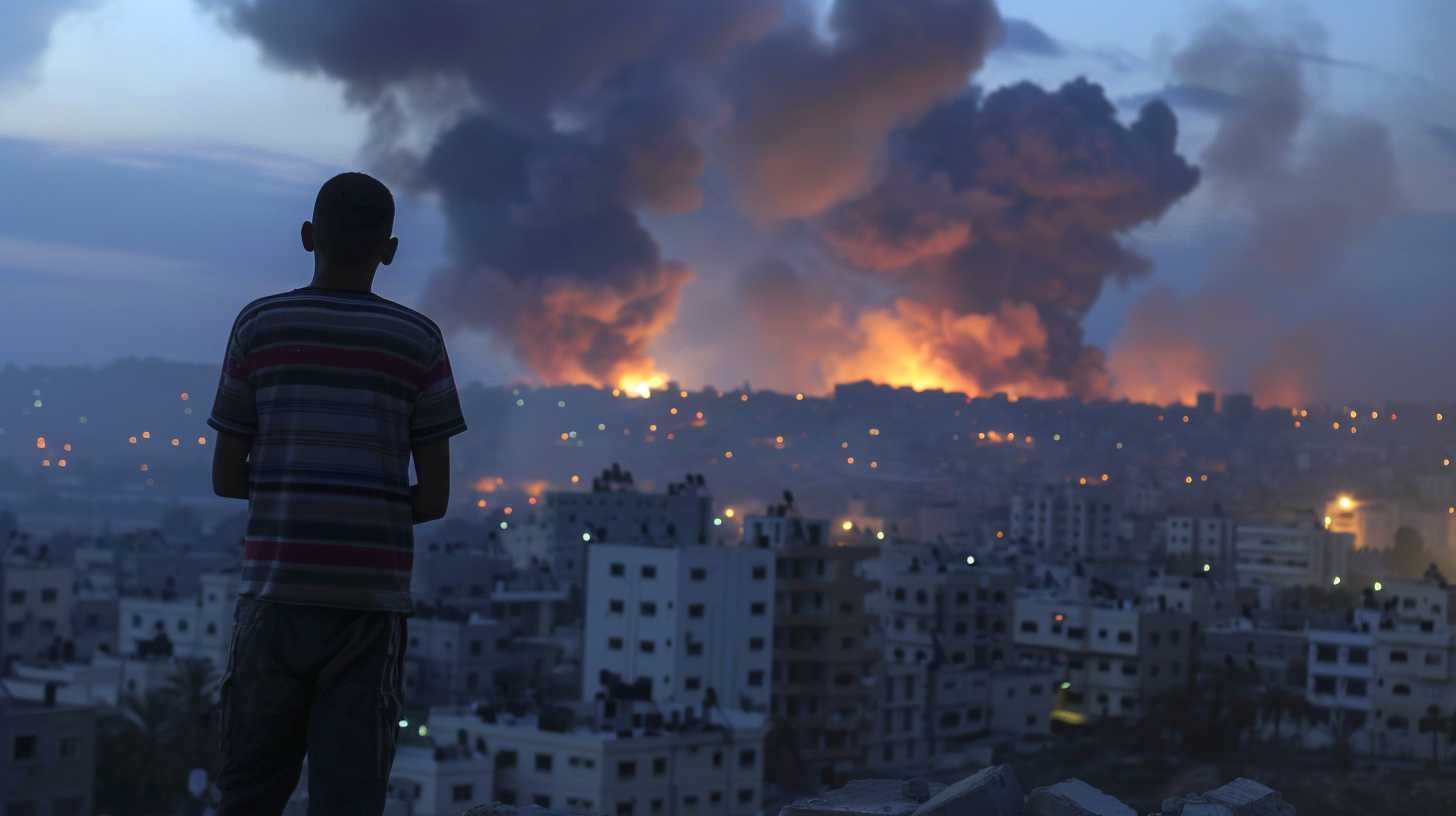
{"x": 155, "y": 168}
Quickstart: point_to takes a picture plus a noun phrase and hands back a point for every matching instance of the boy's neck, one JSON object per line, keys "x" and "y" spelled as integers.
{"x": 351, "y": 282}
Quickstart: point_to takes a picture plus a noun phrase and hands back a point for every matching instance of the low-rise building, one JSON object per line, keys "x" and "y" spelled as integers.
{"x": 47, "y": 757}
{"x": 1414, "y": 664}
{"x": 1288, "y": 555}
{"x": 36, "y": 606}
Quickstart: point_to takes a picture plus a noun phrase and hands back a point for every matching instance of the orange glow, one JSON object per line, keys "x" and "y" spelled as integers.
{"x": 1335, "y": 425}
{"x": 40, "y": 442}
{"x": 176, "y": 442}
{"x": 531, "y": 500}
{"x": 673, "y": 411}
{"x": 1082, "y": 481}
{"x": 576, "y": 478}
{"x": 488, "y": 484}
{"x": 565, "y": 436}
{"x": 799, "y": 396}
{"x": 146, "y": 434}
{"x": 1187, "y": 480}
{"x": 1106, "y": 476}
{"x": 66, "y": 447}
{"x": 779, "y": 440}
{"x": 131, "y": 439}
{"x": 683, "y": 394}
{"x": 61, "y": 462}
{"x": 727, "y": 454}
{"x": 480, "y": 503}
{"x": 45, "y": 463}
{"x": 184, "y": 396}
{"x": 534, "y": 487}
{"x": 202, "y": 440}
{"x": 652, "y": 427}
{"x": 849, "y": 460}
{"x": 1000, "y": 533}
{"x": 641, "y": 385}
{"x": 509, "y": 510}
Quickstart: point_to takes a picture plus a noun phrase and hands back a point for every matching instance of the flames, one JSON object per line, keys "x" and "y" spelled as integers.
{"x": 641, "y": 385}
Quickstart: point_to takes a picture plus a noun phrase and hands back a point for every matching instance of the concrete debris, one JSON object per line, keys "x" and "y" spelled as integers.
{"x": 991, "y": 791}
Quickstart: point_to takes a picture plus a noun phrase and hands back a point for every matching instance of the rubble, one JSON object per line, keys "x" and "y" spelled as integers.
{"x": 1073, "y": 797}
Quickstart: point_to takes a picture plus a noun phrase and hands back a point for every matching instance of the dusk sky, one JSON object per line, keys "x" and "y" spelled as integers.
{"x": 155, "y": 164}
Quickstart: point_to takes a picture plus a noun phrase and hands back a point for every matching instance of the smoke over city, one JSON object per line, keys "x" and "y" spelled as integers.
{"x": 1310, "y": 183}
{"x": 989, "y": 222}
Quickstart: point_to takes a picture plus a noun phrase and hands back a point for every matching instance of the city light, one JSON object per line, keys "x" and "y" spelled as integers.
{"x": 404, "y": 723}
{"x": 717, "y": 522}
{"x": 146, "y": 434}
{"x": 1378, "y": 586}
{"x": 1000, "y": 534}
{"x": 880, "y": 535}
{"x": 799, "y": 397}
{"x": 726, "y": 454}
{"x": 729, "y": 512}
{"x": 176, "y": 443}
{"x": 184, "y": 396}
{"x": 509, "y": 510}
{"x": 847, "y": 525}
{"x": 874, "y": 431}
{"x": 40, "y": 442}
{"x": 202, "y": 440}
{"x": 575, "y": 478}
{"x": 505, "y": 525}
{"x": 66, "y": 447}
{"x": 970, "y": 560}
{"x": 1335, "y": 581}
{"x": 1066, "y": 685}
{"x": 45, "y": 463}
{"x": 61, "y": 462}
{"x": 1328, "y": 522}
{"x": 874, "y": 464}
{"x": 683, "y": 394}
{"x": 1345, "y": 502}
{"x": 849, "y": 460}
{"x": 1208, "y": 567}
{"x": 586, "y": 536}
{"x": 480, "y": 503}
{"x": 424, "y": 731}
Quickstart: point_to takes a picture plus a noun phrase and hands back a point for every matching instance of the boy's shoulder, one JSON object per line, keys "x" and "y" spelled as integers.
{"x": 369, "y": 301}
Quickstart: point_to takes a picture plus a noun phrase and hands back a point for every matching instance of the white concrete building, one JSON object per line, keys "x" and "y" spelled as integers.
{"x": 47, "y": 758}
{"x": 36, "y": 607}
{"x": 1285, "y": 555}
{"x": 198, "y": 626}
{"x": 629, "y": 760}
{"x": 1415, "y": 666}
{"x": 1085, "y": 522}
{"x": 429, "y": 778}
{"x": 1114, "y": 655}
{"x": 1202, "y": 539}
{"x": 688, "y": 619}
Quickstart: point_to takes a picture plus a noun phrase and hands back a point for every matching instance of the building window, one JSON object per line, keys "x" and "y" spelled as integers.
{"x": 1433, "y": 658}
{"x": 1355, "y": 688}
{"x": 755, "y": 644}
{"x": 755, "y": 678}
{"x": 715, "y": 797}
{"x": 24, "y": 748}
{"x": 757, "y": 608}
{"x": 717, "y": 759}
{"x": 1400, "y": 690}
{"x": 1398, "y": 657}
{"x": 694, "y": 649}
{"x": 17, "y": 596}
{"x": 1325, "y": 653}
{"x": 541, "y": 800}
{"x": 626, "y": 770}
{"x": 615, "y": 644}
{"x": 695, "y": 610}
{"x": 68, "y": 806}
{"x": 649, "y": 571}
{"x": 649, "y": 609}
{"x": 1028, "y": 626}
{"x": 697, "y": 574}
{"x": 659, "y": 766}
{"x": 1324, "y": 685}
{"x": 647, "y": 646}
{"x": 657, "y": 805}
{"x": 618, "y": 570}
{"x": 1124, "y": 637}
{"x": 136, "y": 621}
{"x": 30, "y": 808}
{"x": 1155, "y": 638}
{"x": 476, "y": 648}
{"x": 543, "y": 762}
{"x": 746, "y": 759}
{"x": 505, "y": 759}
{"x": 70, "y": 747}
{"x": 48, "y": 595}
{"x": 624, "y": 809}
{"x": 506, "y": 796}
{"x": 745, "y": 796}
{"x": 760, "y": 573}
{"x": 1103, "y": 666}
{"x": 1359, "y": 656}
{"x": 462, "y": 793}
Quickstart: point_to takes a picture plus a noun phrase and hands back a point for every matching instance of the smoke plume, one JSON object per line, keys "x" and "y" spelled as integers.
{"x": 988, "y": 224}
{"x": 1311, "y": 183}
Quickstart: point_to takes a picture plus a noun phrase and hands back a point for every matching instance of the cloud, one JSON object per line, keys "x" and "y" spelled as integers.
{"x": 26, "y": 33}
{"x": 1024, "y": 37}
{"x": 83, "y": 265}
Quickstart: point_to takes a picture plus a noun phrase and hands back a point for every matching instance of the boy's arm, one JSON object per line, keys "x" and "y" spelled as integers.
{"x": 431, "y": 496}
{"x": 230, "y": 465}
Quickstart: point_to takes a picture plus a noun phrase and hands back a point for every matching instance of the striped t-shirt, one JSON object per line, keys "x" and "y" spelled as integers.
{"x": 333, "y": 387}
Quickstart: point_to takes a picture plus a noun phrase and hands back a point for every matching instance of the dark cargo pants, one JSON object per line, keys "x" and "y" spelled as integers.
{"x": 309, "y": 680}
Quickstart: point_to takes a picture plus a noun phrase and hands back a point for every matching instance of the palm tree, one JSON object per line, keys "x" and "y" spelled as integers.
{"x": 1433, "y": 721}
{"x": 191, "y": 729}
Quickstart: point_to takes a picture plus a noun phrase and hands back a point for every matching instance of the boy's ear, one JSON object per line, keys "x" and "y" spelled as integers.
{"x": 390, "y": 247}
{"x": 306, "y": 233}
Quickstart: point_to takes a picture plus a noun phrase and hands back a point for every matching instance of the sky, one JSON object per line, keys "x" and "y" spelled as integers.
{"x": 156, "y": 165}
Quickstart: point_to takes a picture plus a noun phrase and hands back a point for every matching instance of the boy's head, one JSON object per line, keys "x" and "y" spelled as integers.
{"x": 353, "y": 220}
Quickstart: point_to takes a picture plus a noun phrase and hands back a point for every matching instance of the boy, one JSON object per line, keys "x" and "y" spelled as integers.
{"x": 326, "y": 392}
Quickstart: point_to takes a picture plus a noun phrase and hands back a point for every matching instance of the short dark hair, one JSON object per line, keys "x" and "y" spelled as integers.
{"x": 353, "y": 215}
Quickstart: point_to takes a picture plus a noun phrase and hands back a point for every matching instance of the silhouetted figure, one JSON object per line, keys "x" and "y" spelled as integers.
{"x": 326, "y": 393}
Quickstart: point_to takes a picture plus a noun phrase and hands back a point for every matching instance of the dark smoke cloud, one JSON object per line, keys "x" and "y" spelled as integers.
{"x": 1024, "y": 37}
{"x": 1185, "y": 97}
{"x": 26, "y": 32}
{"x": 1311, "y": 184}
{"x": 811, "y": 117}
{"x": 569, "y": 118}
{"x": 1017, "y": 202}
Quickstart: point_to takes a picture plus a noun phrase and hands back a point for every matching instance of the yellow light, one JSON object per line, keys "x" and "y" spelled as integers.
{"x": 970, "y": 560}
{"x": 131, "y": 440}
{"x": 1304, "y": 413}
{"x": 1082, "y": 481}
{"x": 1335, "y": 581}
{"x": 652, "y": 427}
{"x": 727, "y": 454}
{"x": 1207, "y": 567}
{"x": 743, "y": 398}
{"x": 616, "y": 392}
{"x": 40, "y": 442}
{"x": 981, "y": 435}
{"x": 575, "y": 478}
{"x": 1375, "y": 415}
{"x": 683, "y": 394}
{"x": 202, "y": 440}
{"x": 1056, "y": 437}
{"x": 1353, "y": 415}
{"x": 1328, "y": 522}
{"x": 874, "y": 465}
{"x": 849, "y": 460}
{"x": 480, "y": 503}
{"x": 847, "y": 525}
{"x": 1000, "y": 534}
{"x": 874, "y": 431}
{"x": 880, "y": 535}
{"x": 424, "y": 731}
{"x": 1011, "y": 437}
{"x": 1446, "y": 462}
{"x": 728, "y": 512}
{"x": 146, "y": 434}
{"x": 1187, "y": 480}
{"x": 1451, "y": 510}
{"x": 1378, "y": 586}
{"x": 565, "y": 436}
{"x": 673, "y": 411}
{"x": 778, "y": 440}
{"x": 1345, "y": 502}
{"x": 1335, "y": 425}
{"x": 1353, "y": 429}
{"x": 1440, "y": 417}
{"x": 799, "y": 397}
{"x": 1105, "y": 477}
